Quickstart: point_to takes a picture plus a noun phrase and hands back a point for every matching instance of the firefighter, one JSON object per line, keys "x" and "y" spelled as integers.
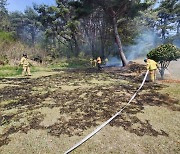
{"x": 152, "y": 67}
{"x": 94, "y": 63}
{"x": 106, "y": 61}
{"x": 99, "y": 63}
{"x": 26, "y": 65}
{"x": 91, "y": 62}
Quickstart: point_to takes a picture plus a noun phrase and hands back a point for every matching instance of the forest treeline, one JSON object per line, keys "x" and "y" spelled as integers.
{"x": 88, "y": 28}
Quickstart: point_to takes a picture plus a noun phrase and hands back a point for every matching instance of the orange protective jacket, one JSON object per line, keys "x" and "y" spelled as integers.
{"x": 99, "y": 60}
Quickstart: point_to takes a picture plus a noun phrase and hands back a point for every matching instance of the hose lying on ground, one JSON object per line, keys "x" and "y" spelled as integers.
{"x": 105, "y": 123}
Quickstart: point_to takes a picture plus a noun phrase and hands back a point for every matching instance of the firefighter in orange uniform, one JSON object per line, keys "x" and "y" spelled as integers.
{"x": 99, "y": 63}
{"x": 152, "y": 67}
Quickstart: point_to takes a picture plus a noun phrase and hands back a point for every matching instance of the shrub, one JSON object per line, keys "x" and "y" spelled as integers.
{"x": 3, "y": 60}
{"x": 163, "y": 55}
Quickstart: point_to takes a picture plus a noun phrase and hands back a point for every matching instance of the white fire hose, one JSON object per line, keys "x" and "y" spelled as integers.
{"x": 105, "y": 123}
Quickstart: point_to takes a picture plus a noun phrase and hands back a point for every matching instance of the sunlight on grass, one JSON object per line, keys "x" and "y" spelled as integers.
{"x": 7, "y": 70}
{"x": 173, "y": 90}
{"x": 12, "y": 71}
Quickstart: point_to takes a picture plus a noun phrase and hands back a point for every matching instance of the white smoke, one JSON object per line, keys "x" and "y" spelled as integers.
{"x": 145, "y": 42}
{"x": 113, "y": 61}
{"x": 177, "y": 43}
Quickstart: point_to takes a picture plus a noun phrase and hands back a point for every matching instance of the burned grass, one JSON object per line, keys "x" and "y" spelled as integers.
{"x": 84, "y": 105}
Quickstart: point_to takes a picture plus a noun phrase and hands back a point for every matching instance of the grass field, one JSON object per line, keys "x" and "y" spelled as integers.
{"x": 51, "y": 111}
{"x": 16, "y": 71}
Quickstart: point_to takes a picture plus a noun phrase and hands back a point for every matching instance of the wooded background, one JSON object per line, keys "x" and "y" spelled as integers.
{"x": 89, "y": 28}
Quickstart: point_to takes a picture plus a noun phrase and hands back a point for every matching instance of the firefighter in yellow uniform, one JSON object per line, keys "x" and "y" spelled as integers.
{"x": 91, "y": 62}
{"x": 106, "y": 60}
{"x": 99, "y": 63}
{"x": 26, "y": 65}
{"x": 152, "y": 67}
{"x": 94, "y": 63}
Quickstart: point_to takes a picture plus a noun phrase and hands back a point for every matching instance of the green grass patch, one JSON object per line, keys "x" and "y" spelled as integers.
{"x": 76, "y": 63}
{"x": 39, "y": 69}
{"x": 70, "y": 63}
{"x": 6, "y": 36}
{"x": 7, "y": 70}
{"x": 11, "y": 71}
{"x": 173, "y": 89}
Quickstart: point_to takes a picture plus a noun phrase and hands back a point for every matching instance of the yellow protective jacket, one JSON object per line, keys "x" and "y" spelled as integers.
{"x": 24, "y": 62}
{"x": 99, "y": 60}
{"x": 151, "y": 65}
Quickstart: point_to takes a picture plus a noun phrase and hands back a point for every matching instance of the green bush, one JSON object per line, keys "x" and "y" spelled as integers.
{"x": 165, "y": 52}
{"x": 6, "y": 36}
{"x": 3, "y": 60}
{"x": 163, "y": 55}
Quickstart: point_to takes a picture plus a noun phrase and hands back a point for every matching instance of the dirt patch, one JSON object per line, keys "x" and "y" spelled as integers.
{"x": 35, "y": 141}
{"x": 170, "y": 81}
{"x": 6, "y": 85}
{"x": 51, "y": 115}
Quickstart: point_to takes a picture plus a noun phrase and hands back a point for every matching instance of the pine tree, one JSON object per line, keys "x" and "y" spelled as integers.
{"x": 114, "y": 10}
{"x": 4, "y": 22}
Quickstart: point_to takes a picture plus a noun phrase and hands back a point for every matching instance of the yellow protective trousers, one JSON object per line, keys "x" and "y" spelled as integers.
{"x": 26, "y": 70}
{"x": 152, "y": 75}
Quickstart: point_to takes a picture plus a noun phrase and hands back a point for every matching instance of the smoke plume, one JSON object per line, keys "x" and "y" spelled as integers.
{"x": 145, "y": 42}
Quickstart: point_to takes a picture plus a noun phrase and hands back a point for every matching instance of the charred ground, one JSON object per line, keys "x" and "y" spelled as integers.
{"x": 82, "y": 99}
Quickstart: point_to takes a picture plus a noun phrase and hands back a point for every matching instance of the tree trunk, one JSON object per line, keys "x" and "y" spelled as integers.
{"x": 118, "y": 41}
{"x": 102, "y": 49}
{"x": 102, "y": 43}
{"x": 93, "y": 49}
{"x": 164, "y": 66}
{"x": 71, "y": 48}
{"x": 162, "y": 70}
{"x": 178, "y": 26}
{"x": 75, "y": 45}
{"x": 33, "y": 37}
